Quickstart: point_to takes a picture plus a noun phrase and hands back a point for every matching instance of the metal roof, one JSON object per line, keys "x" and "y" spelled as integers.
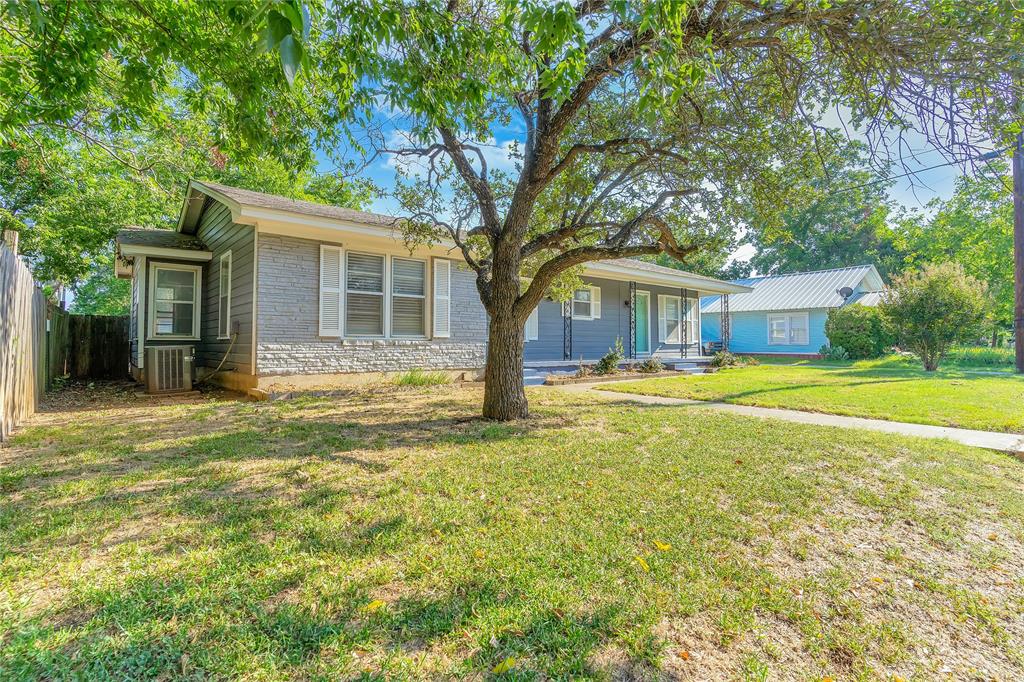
{"x": 798, "y": 290}
{"x": 868, "y": 298}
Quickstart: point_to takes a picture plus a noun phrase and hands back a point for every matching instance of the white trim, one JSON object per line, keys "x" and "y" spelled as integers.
{"x": 787, "y": 319}
{"x": 220, "y": 294}
{"x": 255, "y": 296}
{"x": 197, "y": 298}
{"x": 682, "y": 280}
{"x": 140, "y": 312}
{"x": 164, "y": 252}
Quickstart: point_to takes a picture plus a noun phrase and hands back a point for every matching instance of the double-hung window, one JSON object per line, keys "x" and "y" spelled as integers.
{"x": 372, "y": 295}
{"x": 174, "y": 300}
{"x": 586, "y": 303}
{"x": 408, "y": 297}
{"x": 224, "y": 297}
{"x": 788, "y": 329}
{"x": 364, "y": 294}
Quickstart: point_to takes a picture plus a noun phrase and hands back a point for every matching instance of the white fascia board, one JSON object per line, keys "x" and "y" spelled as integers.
{"x": 163, "y": 252}
{"x": 682, "y": 280}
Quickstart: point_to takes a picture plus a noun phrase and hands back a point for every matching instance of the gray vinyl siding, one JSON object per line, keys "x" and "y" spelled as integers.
{"x": 220, "y": 236}
{"x": 592, "y": 338}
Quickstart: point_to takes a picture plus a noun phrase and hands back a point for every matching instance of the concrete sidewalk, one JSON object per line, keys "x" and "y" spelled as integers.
{"x": 992, "y": 440}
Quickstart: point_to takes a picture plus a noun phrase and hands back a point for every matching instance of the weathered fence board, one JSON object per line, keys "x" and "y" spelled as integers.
{"x": 22, "y": 355}
{"x": 39, "y": 342}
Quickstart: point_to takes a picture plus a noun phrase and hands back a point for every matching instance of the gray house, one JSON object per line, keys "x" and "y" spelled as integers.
{"x": 261, "y": 289}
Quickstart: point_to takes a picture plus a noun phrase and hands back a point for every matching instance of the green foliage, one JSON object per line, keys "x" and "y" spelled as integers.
{"x": 841, "y": 219}
{"x": 102, "y": 293}
{"x": 419, "y": 377}
{"x": 833, "y": 353}
{"x": 609, "y": 362}
{"x": 980, "y": 356}
{"x": 860, "y": 330}
{"x": 724, "y": 358}
{"x": 935, "y": 308}
{"x": 651, "y": 365}
{"x": 975, "y": 229}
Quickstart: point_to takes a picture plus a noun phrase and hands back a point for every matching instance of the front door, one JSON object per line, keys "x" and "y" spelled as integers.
{"x": 643, "y": 322}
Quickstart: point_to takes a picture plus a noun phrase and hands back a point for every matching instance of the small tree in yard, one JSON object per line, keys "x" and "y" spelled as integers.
{"x": 935, "y": 308}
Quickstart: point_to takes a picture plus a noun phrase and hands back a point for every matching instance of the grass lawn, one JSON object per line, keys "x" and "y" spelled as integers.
{"x": 392, "y": 534}
{"x": 949, "y": 398}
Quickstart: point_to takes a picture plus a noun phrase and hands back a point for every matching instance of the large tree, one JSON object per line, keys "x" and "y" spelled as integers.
{"x": 631, "y": 111}
{"x": 974, "y": 228}
{"x": 634, "y": 110}
{"x": 844, "y": 218}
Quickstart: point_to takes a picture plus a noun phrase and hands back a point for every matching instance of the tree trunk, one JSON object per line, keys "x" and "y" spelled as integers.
{"x": 504, "y": 395}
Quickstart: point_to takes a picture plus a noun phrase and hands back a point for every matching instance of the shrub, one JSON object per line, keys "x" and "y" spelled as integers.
{"x": 935, "y": 308}
{"x": 860, "y": 330}
{"x": 609, "y": 364}
{"x": 418, "y": 377}
{"x": 651, "y": 366}
{"x": 836, "y": 353}
{"x": 724, "y": 358}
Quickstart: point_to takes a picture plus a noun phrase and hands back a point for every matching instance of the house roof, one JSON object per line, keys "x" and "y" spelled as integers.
{"x": 200, "y": 189}
{"x": 157, "y": 238}
{"x": 798, "y": 290}
{"x": 252, "y": 208}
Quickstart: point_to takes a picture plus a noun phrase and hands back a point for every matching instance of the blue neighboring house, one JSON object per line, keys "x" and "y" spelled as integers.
{"x": 785, "y": 314}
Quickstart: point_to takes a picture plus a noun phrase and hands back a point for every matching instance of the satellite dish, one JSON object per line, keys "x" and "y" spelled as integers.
{"x": 845, "y": 292}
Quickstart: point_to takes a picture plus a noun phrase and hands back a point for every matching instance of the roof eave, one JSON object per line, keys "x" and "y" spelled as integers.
{"x": 129, "y": 250}
{"x": 682, "y": 280}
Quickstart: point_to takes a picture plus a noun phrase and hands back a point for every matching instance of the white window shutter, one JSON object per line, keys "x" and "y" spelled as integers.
{"x": 661, "y": 319}
{"x": 595, "y": 302}
{"x": 330, "y": 290}
{"x": 442, "y": 298}
{"x": 533, "y": 325}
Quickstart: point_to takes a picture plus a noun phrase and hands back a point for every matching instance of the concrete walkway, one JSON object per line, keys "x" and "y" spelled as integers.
{"x": 992, "y": 440}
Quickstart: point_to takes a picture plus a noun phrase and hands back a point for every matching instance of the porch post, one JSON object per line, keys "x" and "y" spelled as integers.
{"x": 567, "y": 330}
{"x": 632, "y": 320}
{"x": 726, "y": 324}
{"x": 685, "y": 315}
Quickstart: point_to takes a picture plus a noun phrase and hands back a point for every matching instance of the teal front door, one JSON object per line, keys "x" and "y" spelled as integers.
{"x": 643, "y": 322}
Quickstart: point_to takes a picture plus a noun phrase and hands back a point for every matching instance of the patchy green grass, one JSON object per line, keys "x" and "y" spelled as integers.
{"x": 392, "y": 534}
{"x": 992, "y": 403}
{"x": 419, "y": 377}
{"x": 961, "y": 358}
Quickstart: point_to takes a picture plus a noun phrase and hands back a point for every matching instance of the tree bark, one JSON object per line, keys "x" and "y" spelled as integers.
{"x": 504, "y": 395}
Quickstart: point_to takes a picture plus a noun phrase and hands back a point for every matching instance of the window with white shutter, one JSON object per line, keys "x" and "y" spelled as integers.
{"x": 442, "y": 298}
{"x": 330, "y": 290}
{"x": 533, "y": 325}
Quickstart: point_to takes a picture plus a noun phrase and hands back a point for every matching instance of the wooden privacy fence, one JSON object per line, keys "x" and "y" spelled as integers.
{"x": 39, "y": 342}
{"x": 22, "y": 356}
